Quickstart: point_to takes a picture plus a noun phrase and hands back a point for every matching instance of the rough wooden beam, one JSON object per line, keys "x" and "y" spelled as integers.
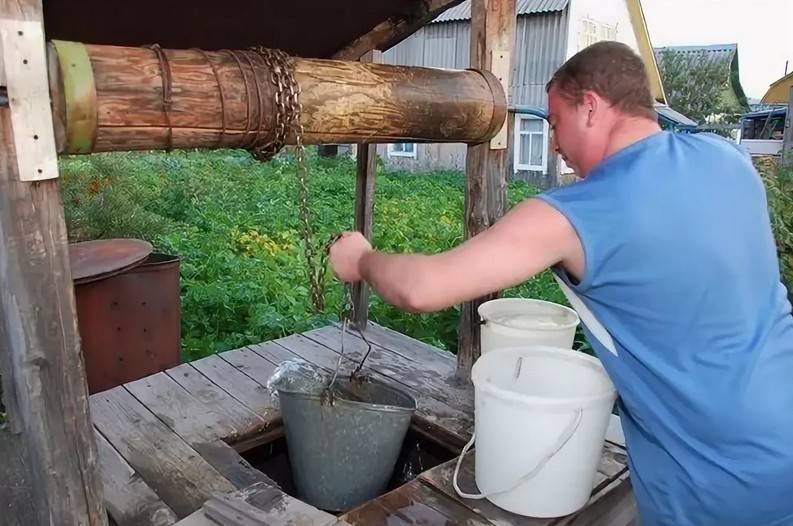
{"x": 216, "y": 100}
{"x": 391, "y": 32}
{"x": 646, "y": 49}
{"x": 42, "y": 365}
{"x": 492, "y": 38}
{"x": 787, "y": 137}
{"x": 364, "y": 208}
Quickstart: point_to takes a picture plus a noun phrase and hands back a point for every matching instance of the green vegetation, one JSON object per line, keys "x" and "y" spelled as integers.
{"x": 779, "y": 187}
{"x": 234, "y": 223}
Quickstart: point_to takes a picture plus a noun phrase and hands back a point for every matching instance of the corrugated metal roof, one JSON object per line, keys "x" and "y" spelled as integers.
{"x": 462, "y": 11}
{"x": 693, "y": 58}
{"x": 713, "y": 52}
{"x": 669, "y": 113}
{"x": 780, "y": 111}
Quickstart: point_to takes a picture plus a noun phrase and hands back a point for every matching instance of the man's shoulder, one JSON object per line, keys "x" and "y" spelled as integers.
{"x": 708, "y": 141}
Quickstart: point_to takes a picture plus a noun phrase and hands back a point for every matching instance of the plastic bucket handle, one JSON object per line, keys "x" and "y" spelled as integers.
{"x": 565, "y": 437}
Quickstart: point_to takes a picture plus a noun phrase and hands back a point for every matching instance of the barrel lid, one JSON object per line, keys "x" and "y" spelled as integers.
{"x": 103, "y": 258}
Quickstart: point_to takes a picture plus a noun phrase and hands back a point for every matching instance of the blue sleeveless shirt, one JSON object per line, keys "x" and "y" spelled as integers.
{"x": 681, "y": 269}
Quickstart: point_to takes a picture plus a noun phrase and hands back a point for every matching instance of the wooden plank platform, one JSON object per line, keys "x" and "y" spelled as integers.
{"x": 169, "y": 444}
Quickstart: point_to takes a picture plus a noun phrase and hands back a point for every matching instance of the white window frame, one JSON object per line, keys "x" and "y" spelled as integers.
{"x": 398, "y": 153}
{"x": 599, "y": 31}
{"x": 543, "y": 167}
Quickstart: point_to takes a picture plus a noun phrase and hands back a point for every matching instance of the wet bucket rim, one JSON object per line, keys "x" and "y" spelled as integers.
{"x": 366, "y": 406}
{"x": 486, "y": 317}
{"x": 485, "y": 384}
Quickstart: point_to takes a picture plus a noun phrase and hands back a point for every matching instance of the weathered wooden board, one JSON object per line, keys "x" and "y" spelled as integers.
{"x": 375, "y": 513}
{"x": 183, "y": 414}
{"x": 433, "y": 379}
{"x": 40, "y": 358}
{"x": 166, "y": 462}
{"x": 273, "y": 352}
{"x": 198, "y": 518}
{"x": 394, "y": 29}
{"x": 231, "y": 465}
{"x": 614, "y": 460}
{"x": 16, "y": 503}
{"x": 492, "y": 36}
{"x": 242, "y": 420}
{"x": 440, "y": 478}
{"x": 366, "y": 171}
{"x": 128, "y": 499}
{"x": 252, "y": 364}
{"x": 263, "y": 505}
{"x": 414, "y": 503}
{"x": 614, "y": 505}
{"x": 239, "y": 385}
{"x": 25, "y": 60}
{"x": 610, "y": 469}
{"x": 410, "y": 348}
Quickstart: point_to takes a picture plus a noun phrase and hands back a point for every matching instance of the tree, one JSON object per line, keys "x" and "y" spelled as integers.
{"x": 697, "y": 85}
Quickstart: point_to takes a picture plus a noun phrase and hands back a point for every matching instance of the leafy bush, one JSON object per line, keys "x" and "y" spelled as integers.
{"x": 779, "y": 188}
{"x": 234, "y": 223}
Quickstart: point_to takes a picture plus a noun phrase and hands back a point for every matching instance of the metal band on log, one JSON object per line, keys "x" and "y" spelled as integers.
{"x": 147, "y": 98}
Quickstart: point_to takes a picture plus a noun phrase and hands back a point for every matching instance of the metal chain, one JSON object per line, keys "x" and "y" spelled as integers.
{"x": 287, "y": 118}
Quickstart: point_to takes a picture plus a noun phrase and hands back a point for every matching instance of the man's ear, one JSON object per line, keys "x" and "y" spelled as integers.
{"x": 591, "y": 104}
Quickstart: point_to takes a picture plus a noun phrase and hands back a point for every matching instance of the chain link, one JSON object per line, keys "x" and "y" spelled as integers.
{"x": 287, "y": 118}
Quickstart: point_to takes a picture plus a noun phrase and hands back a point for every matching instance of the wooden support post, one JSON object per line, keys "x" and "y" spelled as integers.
{"x": 364, "y": 207}
{"x": 787, "y": 137}
{"x": 43, "y": 374}
{"x": 492, "y": 38}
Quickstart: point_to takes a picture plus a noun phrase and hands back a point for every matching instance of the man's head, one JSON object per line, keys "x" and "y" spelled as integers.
{"x": 601, "y": 89}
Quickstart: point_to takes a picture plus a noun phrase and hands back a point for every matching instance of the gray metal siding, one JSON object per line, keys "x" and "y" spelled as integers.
{"x": 434, "y": 46}
{"x": 462, "y": 11}
{"x": 540, "y": 44}
{"x": 540, "y": 48}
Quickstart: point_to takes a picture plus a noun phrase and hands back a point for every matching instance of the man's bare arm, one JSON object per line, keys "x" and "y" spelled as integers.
{"x": 530, "y": 238}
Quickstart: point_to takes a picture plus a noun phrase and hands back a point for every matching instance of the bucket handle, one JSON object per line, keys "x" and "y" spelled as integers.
{"x": 565, "y": 437}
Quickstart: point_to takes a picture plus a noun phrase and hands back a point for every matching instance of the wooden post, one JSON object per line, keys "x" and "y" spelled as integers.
{"x": 364, "y": 207}
{"x": 486, "y": 164}
{"x": 787, "y": 138}
{"x": 43, "y": 375}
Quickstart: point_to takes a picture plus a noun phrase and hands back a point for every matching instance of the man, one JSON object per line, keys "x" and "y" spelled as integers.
{"x": 667, "y": 242}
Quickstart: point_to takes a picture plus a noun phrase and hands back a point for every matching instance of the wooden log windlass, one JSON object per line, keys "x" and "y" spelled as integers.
{"x": 130, "y": 98}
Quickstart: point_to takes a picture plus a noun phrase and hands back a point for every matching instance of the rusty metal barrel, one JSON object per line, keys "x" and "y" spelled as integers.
{"x": 128, "y": 310}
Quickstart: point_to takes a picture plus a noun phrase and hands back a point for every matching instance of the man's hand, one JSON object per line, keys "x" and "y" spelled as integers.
{"x": 346, "y": 255}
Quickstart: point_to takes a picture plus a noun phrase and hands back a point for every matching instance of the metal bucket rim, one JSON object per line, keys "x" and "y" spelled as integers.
{"x": 366, "y": 406}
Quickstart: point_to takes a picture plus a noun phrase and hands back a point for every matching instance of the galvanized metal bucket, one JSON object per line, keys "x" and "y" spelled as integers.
{"x": 343, "y": 454}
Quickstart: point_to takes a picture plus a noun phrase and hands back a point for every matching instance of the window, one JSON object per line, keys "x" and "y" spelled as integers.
{"x": 531, "y": 143}
{"x": 402, "y": 150}
{"x": 592, "y": 31}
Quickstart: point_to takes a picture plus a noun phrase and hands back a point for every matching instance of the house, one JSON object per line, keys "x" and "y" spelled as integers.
{"x": 547, "y": 33}
{"x": 779, "y": 91}
{"x": 675, "y": 121}
{"x": 762, "y": 130}
{"x": 685, "y": 69}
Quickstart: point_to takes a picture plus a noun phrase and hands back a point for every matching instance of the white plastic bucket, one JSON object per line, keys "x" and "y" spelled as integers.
{"x": 512, "y": 322}
{"x": 541, "y": 417}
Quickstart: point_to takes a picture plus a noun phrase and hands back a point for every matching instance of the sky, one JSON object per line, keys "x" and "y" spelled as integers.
{"x": 763, "y": 30}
